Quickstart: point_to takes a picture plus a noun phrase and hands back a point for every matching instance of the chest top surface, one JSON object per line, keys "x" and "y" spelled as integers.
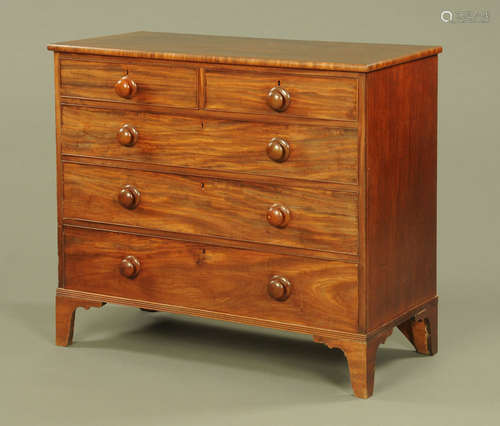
{"x": 319, "y": 55}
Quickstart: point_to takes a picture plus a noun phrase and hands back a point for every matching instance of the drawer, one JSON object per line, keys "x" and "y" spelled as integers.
{"x": 309, "y": 218}
{"x": 306, "y": 152}
{"x": 318, "y": 293}
{"x": 334, "y": 98}
{"x": 161, "y": 84}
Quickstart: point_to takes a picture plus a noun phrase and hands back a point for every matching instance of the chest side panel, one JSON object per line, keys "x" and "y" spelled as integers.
{"x": 401, "y": 142}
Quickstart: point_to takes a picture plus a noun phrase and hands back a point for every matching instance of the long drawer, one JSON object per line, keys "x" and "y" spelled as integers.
{"x": 160, "y": 84}
{"x": 285, "y": 150}
{"x": 295, "y": 290}
{"x": 304, "y": 218}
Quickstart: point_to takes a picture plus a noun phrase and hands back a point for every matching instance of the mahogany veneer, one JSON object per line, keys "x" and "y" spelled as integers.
{"x": 284, "y": 184}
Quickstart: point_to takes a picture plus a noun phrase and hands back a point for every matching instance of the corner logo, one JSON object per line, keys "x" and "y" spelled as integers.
{"x": 465, "y": 16}
{"x": 446, "y": 16}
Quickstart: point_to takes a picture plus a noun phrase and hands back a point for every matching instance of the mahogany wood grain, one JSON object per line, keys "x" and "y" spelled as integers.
{"x": 362, "y": 279}
{"x": 275, "y": 183}
{"x": 156, "y": 84}
{"x": 59, "y": 172}
{"x": 361, "y": 356}
{"x": 215, "y": 241}
{"x": 422, "y": 330}
{"x": 65, "y": 317}
{"x": 401, "y": 134}
{"x": 319, "y": 219}
{"x": 260, "y": 322}
{"x": 324, "y": 55}
{"x": 315, "y": 152}
{"x": 311, "y": 97}
{"x": 324, "y": 293}
{"x": 207, "y": 114}
{"x": 295, "y": 182}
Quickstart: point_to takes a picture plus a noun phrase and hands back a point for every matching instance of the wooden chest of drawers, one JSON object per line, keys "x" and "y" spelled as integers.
{"x": 276, "y": 183}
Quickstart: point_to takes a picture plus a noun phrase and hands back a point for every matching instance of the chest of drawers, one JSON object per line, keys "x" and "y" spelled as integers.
{"x": 276, "y": 183}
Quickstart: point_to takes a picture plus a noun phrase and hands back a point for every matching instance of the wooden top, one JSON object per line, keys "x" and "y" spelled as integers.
{"x": 321, "y": 55}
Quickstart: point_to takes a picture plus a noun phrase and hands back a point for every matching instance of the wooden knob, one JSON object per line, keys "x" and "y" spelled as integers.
{"x": 130, "y": 267}
{"x": 278, "y": 216}
{"x": 128, "y": 135}
{"x": 126, "y": 87}
{"x": 129, "y": 197}
{"x": 278, "y": 150}
{"x": 279, "y": 288}
{"x": 278, "y": 99}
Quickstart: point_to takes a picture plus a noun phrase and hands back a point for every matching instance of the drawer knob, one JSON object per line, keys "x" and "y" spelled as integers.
{"x": 279, "y": 288}
{"x": 128, "y": 135}
{"x": 130, "y": 267}
{"x": 278, "y": 215}
{"x": 126, "y": 87}
{"x": 129, "y": 197}
{"x": 278, "y": 99}
{"x": 278, "y": 150}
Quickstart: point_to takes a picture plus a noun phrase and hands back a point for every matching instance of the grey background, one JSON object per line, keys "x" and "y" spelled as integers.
{"x": 128, "y": 367}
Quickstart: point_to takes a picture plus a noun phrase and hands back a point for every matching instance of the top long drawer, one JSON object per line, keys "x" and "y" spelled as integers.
{"x": 285, "y": 150}
{"x": 160, "y": 84}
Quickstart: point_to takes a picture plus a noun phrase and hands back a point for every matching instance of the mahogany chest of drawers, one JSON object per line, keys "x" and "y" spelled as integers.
{"x": 284, "y": 184}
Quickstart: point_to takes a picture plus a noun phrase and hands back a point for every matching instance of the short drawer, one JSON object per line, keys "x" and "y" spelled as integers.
{"x": 334, "y": 98}
{"x": 267, "y": 286}
{"x": 309, "y": 218}
{"x": 284, "y": 150}
{"x": 161, "y": 84}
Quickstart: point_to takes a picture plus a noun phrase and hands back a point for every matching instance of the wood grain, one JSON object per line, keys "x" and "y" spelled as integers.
{"x": 325, "y": 55}
{"x": 206, "y": 114}
{"x": 65, "y": 317}
{"x": 361, "y": 357}
{"x": 295, "y": 328}
{"x": 401, "y": 134}
{"x": 311, "y": 97}
{"x": 295, "y": 182}
{"x": 324, "y": 293}
{"x": 422, "y": 330}
{"x": 362, "y": 279}
{"x": 329, "y": 230}
{"x": 320, "y": 219}
{"x": 215, "y": 241}
{"x": 59, "y": 172}
{"x": 317, "y": 152}
{"x": 156, "y": 84}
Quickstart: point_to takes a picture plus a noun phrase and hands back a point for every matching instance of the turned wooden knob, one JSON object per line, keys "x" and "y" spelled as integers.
{"x": 278, "y": 216}
{"x": 278, "y": 99}
{"x": 129, "y": 197}
{"x": 126, "y": 87}
{"x": 130, "y": 267}
{"x": 278, "y": 150}
{"x": 128, "y": 135}
{"x": 279, "y": 288}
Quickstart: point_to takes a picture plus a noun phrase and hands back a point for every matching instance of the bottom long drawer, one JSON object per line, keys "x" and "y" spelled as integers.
{"x": 275, "y": 287}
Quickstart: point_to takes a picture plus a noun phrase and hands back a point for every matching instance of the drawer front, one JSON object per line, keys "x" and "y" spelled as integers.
{"x": 321, "y": 293}
{"x": 332, "y": 98}
{"x": 156, "y": 84}
{"x": 313, "y": 218}
{"x": 306, "y": 152}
